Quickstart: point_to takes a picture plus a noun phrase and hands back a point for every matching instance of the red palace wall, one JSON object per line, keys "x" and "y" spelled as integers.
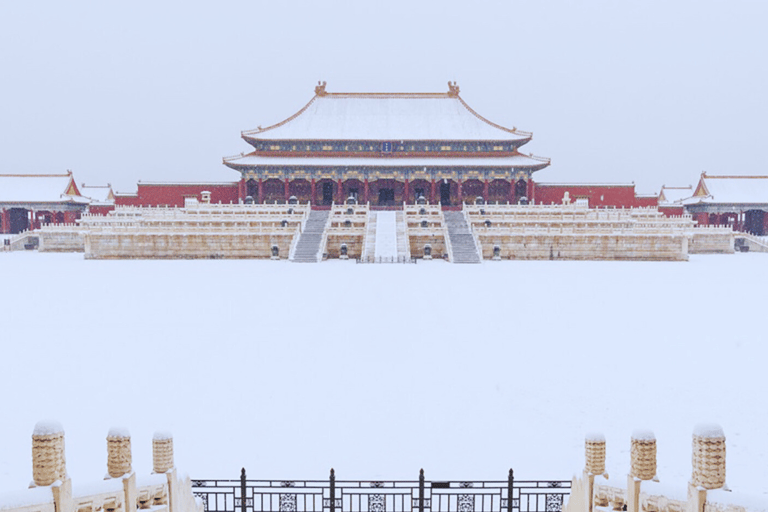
{"x": 173, "y": 194}
{"x": 672, "y": 211}
{"x": 100, "y": 210}
{"x": 599, "y": 195}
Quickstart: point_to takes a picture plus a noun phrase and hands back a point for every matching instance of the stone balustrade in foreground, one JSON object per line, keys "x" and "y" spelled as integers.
{"x": 122, "y": 490}
{"x": 642, "y": 491}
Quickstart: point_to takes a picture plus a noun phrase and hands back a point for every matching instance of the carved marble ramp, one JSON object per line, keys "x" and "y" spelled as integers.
{"x": 308, "y": 246}
{"x": 370, "y": 237}
{"x": 463, "y": 248}
{"x": 386, "y": 235}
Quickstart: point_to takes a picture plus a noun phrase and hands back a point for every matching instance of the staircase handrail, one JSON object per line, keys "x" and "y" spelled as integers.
{"x": 447, "y": 236}
{"x": 324, "y": 240}
{"x": 478, "y": 245}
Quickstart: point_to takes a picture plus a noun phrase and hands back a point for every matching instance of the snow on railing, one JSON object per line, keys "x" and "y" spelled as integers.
{"x": 52, "y": 490}
{"x": 641, "y": 492}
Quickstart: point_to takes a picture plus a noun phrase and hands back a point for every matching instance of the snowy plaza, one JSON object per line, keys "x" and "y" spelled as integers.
{"x": 465, "y": 371}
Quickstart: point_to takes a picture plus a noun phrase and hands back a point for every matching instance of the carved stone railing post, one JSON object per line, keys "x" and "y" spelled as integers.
{"x": 162, "y": 452}
{"x": 643, "y": 455}
{"x": 708, "y": 457}
{"x": 48, "y": 461}
{"x": 118, "y": 452}
{"x": 642, "y": 466}
{"x": 594, "y": 454}
{"x": 708, "y": 464}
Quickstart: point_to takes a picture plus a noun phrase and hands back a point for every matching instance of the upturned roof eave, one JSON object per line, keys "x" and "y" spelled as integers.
{"x": 257, "y": 134}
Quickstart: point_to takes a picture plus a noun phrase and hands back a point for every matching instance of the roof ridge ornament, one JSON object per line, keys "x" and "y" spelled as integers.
{"x": 320, "y": 89}
{"x": 453, "y": 89}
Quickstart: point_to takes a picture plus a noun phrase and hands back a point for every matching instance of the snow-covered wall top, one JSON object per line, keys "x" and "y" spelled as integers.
{"x": 387, "y": 117}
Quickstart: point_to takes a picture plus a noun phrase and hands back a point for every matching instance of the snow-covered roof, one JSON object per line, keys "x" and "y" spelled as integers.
{"x": 732, "y": 189}
{"x": 39, "y": 188}
{"x": 98, "y": 193}
{"x": 674, "y": 195}
{"x": 502, "y": 161}
{"x": 386, "y": 116}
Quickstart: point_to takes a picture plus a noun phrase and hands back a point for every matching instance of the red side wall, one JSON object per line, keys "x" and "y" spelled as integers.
{"x": 100, "y": 210}
{"x": 599, "y": 195}
{"x": 150, "y": 194}
{"x": 672, "y": 211}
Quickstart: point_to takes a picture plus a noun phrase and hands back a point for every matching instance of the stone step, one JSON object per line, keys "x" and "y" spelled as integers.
{"x": 463, "y": 248}
{"x": 308, "y": 244}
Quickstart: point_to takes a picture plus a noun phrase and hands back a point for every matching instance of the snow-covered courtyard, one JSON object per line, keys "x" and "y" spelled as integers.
{"x": 380, "y": 370}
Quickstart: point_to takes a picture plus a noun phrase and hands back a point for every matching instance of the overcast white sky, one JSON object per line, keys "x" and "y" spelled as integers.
{"x": 652, "y": 91}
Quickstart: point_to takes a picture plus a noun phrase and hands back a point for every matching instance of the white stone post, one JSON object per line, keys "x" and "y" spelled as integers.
{"x": 594, "y": 454}
{"x": 708, "y": 457}
{"x": 118, "y": 452}
{"x": 708, "y": 464}
{"x": 643, "y": 466}
{"x": 162, "y": 452}
{"x": 48, "y": 461}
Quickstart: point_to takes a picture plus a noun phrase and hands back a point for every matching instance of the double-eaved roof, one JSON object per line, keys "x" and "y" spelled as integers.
{"x": 386, "y": 130}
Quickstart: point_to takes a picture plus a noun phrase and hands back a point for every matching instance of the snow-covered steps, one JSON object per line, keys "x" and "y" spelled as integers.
{"x": 308, "y": 246}
{"x": 463, "y": 247}
{"x": 386, "y": 236}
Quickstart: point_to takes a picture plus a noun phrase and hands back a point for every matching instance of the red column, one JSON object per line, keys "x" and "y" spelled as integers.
{"x": 486, "y": 189}
{"x": 287, "y": 190}
{"x": 461, "y": 193}
{"x": 341, "y": 192}
{"x": 528, "y": 190}
{"x": 5, "y": 221}
{"x": 512, "y": 191}
{"x": 433, "y": 192}
{"x": 405, "y": 191}
{"x": 365, "y": 191}
{"x": 312, "y": 191}
{"x": 261, "y": 191}
{"x": 241, "y": 189}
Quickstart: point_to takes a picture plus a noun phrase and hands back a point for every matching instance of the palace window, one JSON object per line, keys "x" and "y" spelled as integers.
{"x": 445, "y": 148}
{"x": 274, "y": 148}
{"x": 327, "y": 148}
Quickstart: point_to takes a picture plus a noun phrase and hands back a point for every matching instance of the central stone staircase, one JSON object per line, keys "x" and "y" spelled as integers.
{"x": 463, "y": 248}
{"x": 308, "y": 247}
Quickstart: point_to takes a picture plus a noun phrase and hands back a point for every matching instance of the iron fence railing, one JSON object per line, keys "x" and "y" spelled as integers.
{"x": 420, "y": 495}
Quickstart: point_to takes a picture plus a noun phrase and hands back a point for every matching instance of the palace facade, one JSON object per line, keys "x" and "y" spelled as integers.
{"x": 386, "y": 149}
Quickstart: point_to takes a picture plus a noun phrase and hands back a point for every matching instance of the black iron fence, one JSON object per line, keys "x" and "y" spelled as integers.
{"x": 381, "y": 496}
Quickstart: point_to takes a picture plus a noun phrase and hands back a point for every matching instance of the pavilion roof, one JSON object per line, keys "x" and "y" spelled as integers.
{"x": 670, "y": 195}
{"x": 731, "y": 189}
{"x": 386, "y": 116}
{"x": 520, "y": 160}
{"x": 98, "y": 193}
{"x": 39, "y": 188}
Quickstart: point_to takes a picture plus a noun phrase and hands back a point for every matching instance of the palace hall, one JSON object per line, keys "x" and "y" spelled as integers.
{"x": 386, "y": 149}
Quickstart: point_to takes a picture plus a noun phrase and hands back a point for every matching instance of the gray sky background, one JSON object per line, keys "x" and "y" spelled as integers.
{"x": 653, "y": 91}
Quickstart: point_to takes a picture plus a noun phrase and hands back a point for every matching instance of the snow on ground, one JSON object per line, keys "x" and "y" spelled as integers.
{"x": 379, "y": 370}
